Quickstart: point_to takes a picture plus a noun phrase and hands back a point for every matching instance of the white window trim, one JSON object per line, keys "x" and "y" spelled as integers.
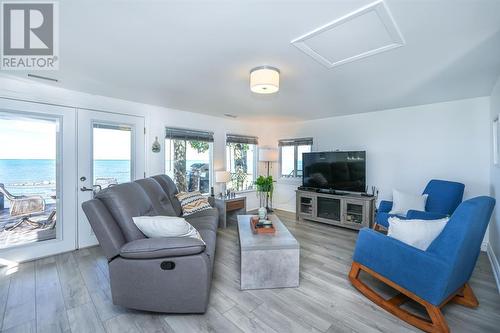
{"x": 255, "y": 164}
{"x": 291, "y": 179}
{"x": 211, "y": 150}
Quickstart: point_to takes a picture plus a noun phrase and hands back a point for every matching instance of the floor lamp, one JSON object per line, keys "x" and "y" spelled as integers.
{"x": 268, "y": 155}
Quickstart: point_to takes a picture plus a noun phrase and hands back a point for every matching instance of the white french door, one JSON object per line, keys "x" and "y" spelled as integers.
{"x": 111, "y": 150}
{"x": 52, "y": 158}
{"x": 38, "y": 180}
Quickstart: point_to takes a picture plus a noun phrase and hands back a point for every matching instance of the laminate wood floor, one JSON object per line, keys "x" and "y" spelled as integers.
{"x": 70, "y": 293}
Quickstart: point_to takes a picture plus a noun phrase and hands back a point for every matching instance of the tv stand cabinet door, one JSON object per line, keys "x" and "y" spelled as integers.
{"x": 305, "y": 206}
{"x": 355, "y": 213}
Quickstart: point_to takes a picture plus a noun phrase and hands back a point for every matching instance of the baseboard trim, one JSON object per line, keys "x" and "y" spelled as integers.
{"x": 286, "y": 210}
{"x": 494, "y": 265}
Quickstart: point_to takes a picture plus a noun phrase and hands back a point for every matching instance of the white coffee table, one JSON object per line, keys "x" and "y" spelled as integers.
{"x": 268, "y": 260}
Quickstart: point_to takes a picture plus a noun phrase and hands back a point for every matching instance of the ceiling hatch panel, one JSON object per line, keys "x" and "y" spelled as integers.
{"x": 365, "y": 32}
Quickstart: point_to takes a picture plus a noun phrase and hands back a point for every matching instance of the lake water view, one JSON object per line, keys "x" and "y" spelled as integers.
{"x": 27, "y": 176}
{"x": 37, "y": 176}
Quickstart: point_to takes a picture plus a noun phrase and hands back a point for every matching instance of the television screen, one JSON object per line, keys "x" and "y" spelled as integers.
{"x": 341, "y": 171}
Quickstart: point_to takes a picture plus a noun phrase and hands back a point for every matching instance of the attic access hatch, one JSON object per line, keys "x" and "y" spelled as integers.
{"x": 365, "y": 32}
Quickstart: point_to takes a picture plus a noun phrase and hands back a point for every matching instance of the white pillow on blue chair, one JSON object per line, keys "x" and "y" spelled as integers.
{"x": 417, "y": 233}
{"x": 403, "y": 202}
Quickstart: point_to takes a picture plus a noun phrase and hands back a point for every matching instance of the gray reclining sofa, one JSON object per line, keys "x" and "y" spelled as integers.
{"x": 171, "y": 275}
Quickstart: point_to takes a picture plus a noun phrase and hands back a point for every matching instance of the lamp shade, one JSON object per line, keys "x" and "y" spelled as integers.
{"x": 264, "y": 80}
{"x": 222, "y": 176}
{"x": 268, "y": 154}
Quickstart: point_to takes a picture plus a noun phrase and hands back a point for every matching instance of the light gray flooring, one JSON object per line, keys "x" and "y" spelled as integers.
{"x": 70, "y": 293}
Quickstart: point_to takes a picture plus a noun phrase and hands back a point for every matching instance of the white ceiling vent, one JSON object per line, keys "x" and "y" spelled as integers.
{"x": 362, "y": 33}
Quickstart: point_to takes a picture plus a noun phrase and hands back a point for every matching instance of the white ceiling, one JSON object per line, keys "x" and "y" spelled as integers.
{"x": 196, "y": 55}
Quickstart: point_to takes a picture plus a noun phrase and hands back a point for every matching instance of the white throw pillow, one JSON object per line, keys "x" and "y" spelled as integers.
{"x": 417, "y": 233}
{"x": 403, "y": 202}
{"x": 165, "y": 226}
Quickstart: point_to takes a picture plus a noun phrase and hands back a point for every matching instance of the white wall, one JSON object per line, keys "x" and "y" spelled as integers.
{"x": 406, "y": 147}
{"x": 494, "y": 227}
{"x": 156, "y": 118}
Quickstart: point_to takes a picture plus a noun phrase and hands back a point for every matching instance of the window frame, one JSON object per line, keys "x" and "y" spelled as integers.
{"x": 295, "y": 143}
{"x": 255, "y": 157}
{"x": 210, "y": 141}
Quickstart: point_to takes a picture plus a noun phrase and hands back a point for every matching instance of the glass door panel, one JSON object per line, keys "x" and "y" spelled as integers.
{"x": 112, "y": 154}
{"x": 111, "y": 151}
{"x": 36, "y": 194}
{"x": 28, "y": 178}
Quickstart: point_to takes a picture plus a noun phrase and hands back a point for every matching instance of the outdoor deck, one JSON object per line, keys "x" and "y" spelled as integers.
{"x": 25, "y": 233}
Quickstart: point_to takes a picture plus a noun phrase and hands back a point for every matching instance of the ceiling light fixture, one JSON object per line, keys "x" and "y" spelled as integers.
{"x": 264, "y": 80}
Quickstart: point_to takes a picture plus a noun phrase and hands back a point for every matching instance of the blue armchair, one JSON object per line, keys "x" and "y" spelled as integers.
{"x": 433, "y": 277}
{"x": 443, "y": 198}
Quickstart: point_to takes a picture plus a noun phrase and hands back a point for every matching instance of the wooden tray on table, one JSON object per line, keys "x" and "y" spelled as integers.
{"x": 266, "y": 230}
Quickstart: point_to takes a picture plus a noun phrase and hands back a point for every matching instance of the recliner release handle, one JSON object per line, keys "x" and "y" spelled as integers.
{"x": 167, "y": 265}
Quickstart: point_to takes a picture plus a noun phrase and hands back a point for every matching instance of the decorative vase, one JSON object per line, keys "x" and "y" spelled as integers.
{"x": 156, "y": 147}
{"x": 262, "y": 213}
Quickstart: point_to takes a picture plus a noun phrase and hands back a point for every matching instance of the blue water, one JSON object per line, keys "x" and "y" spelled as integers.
{"x": 39, "y": 176}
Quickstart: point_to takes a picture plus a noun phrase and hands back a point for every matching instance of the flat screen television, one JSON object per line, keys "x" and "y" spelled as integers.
{"x": 340, "y": 171}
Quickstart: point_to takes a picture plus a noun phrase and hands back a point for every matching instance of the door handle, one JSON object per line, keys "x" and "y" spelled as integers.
{"x": 93, "y": 189}
{"x": 84, "y": 189}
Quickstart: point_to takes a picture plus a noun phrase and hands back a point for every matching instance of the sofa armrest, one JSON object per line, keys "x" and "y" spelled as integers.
{"x": 150, "y": 248}
{"x": 420, "y": 272}
{"x": 385, "y": 206}
{"x": 419, "y": 215}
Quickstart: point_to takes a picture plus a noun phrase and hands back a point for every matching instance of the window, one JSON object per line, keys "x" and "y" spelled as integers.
{"x": 240, "y": 161}
{"x": 291, "y": 151}
{"x": 188, "y": 159}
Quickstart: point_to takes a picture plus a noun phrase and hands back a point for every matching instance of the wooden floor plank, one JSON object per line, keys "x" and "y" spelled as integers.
{"x": 246, "y": 321}
{"x": 50, "y": 308}
{"x": 97, "y": 285}
{"x": 83, "y": 318}
{"x": 20, "y": 307}
{"x": 4, "y": 290}
{"x": 74, "y": 290}
{"x": 211, "y": 321}
{"x": 27, "y": 327}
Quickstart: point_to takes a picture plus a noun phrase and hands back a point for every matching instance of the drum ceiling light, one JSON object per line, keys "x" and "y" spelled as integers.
{"x": 264, "y": 80}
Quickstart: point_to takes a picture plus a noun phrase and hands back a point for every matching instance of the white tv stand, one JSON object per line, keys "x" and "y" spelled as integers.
{"x": 352, "y": 211}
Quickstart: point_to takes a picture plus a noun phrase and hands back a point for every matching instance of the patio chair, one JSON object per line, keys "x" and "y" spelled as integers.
{"x": 23, "y": 206}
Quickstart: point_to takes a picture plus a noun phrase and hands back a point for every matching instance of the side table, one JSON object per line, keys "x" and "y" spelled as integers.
{"x": 230, "y": 207}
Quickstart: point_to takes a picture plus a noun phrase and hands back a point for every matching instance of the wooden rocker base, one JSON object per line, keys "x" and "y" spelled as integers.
{"x": 436, "y": 322}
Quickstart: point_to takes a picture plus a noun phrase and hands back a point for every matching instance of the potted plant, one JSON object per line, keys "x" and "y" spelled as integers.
{"x": 264, "y": 187}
